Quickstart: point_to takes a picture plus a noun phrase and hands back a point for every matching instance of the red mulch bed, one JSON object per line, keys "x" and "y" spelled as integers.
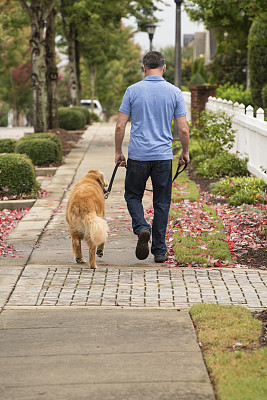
{"x": 245, "y": 226}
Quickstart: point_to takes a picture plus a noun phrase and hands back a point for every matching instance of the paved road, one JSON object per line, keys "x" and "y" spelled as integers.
{"x": 122, "y": 331}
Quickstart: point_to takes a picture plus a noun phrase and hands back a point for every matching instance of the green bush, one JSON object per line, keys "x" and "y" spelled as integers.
{"x": 85, "y": 112}
{"x": 239, "y": 190}
{"x": 264, "y": 99}
{"x": 225, "y": 164}
{"x": 202, "y": 70}
{"x": 257, "y": 58}
{"x": 7, "y": 145}
{"x": 235, "y": 93}
{"x": 3, "y": 120}
{"x": 70, "y": 119}
{"x": 94, "y": 117}
{"x": 40, "y": 151}
{"x": 197, "y": 79}
{"x": 213, "y": 132}
{"x": 17, "y": 175}
{"x": 47, "y": 135}
{"x": 264, "y": 96}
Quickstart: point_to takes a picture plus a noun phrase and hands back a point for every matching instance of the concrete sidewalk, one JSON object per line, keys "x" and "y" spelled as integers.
{"x": 122, "y": 331}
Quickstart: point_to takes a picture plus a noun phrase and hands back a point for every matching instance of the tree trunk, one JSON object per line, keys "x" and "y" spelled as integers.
{"x": 37, "y": 45}
{"x": 92, "y": 86}
{"x": 78, "y": 69}
{"x": 51, "y": 72}
{"x": 38, "y": 13}
{"x": 75, "y": 100}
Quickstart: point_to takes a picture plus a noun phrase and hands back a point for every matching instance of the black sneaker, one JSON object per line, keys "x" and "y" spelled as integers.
{"x": 161, "y": 259}
{"x": 142, "y": 249}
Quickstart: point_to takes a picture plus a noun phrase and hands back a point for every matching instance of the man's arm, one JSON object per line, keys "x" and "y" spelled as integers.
{"x": 119, "y": 136}
{"x": 183, "y": 132}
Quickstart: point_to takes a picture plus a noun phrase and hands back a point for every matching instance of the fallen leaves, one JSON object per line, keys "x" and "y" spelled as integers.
{"x": 8, "y": 221}
{"x": 245, "y": 227}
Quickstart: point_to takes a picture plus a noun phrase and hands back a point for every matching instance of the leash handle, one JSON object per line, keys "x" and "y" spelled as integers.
{"x": 178, "y": 172}
{"x": 106, "y": 193}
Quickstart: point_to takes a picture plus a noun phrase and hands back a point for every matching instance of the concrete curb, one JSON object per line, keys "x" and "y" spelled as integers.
{"x": 16, "y": 204}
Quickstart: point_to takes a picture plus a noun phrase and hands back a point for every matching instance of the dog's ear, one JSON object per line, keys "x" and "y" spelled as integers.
{"x": 98, "y": 176}
{"x": 100, "y": 180}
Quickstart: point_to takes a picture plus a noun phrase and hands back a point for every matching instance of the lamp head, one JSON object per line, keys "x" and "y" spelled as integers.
{"x": 151, "y": 28}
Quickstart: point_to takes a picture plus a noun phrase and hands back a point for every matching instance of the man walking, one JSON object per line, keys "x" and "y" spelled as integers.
{"x": 151, "y": 103}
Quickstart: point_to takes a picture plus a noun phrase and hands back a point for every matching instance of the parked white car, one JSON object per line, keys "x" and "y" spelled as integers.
{"x": 97, "y": 107}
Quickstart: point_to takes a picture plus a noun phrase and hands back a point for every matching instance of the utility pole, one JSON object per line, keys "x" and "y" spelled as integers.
{"x": 178, "y": 52}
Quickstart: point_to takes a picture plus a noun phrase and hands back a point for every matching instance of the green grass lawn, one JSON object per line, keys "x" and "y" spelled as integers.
{"x": 207, "y": 246}
{"x": 229, "y": 337}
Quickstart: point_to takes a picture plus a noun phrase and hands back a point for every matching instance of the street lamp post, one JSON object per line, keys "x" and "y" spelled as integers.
{"x": 177, "y": 57}
{"x": 178, "y": 53}
{"x": 151, "y": 30}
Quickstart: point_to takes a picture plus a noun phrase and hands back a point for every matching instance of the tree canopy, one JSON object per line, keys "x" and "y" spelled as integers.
{"x": 89, "y": 31}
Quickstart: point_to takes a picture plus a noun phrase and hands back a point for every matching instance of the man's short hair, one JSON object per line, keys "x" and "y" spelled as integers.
{"x": 153, "y": 60}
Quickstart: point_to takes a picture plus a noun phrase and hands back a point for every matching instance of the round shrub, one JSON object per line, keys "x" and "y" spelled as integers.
{"x": 85, "y": 112}
{"x": 40, "y": 151}
{"x": 70, "y": 119}
{"x": 17, "y": 175}
{"x": 47, "y": 135}
{"x": 7, "y": 145}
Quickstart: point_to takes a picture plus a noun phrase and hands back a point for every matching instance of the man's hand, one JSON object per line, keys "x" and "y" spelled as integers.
{"x": 184, "y": 157}
{"x": 183, "y": 132}
{"x": 119, "y": 158}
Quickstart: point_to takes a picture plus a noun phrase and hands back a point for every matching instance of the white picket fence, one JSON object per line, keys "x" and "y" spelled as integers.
{"x": 251, "y": 132}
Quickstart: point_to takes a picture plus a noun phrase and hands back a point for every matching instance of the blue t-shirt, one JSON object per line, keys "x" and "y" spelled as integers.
{"x": 152, "y": 103}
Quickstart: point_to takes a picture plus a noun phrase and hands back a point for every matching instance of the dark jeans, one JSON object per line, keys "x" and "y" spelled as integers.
{"x": 135, "y": 182}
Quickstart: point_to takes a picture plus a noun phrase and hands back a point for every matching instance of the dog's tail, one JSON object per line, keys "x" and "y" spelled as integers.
{"x": 96, "y": 229}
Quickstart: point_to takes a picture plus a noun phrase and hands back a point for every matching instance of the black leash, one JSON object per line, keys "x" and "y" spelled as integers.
{"x": 178, "y": 172}
{"x": 178, "y": 168}
{"x": 108, "y": 190}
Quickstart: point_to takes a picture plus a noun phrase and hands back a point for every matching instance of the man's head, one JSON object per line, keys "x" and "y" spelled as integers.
{"x": 154, "y": 60}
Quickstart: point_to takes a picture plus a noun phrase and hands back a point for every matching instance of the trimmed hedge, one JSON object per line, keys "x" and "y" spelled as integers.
{"x": 47, "y": 135}
{"x": 85, "y": 112}
{"x": 40, "y": 151}
{"x": 17, "y": 175}
{"x": 7, "y": 145}
{"x": 70, "y": 119}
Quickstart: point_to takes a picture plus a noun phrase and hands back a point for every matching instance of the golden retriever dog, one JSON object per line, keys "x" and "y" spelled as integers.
{"x": 85, "y": 215}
